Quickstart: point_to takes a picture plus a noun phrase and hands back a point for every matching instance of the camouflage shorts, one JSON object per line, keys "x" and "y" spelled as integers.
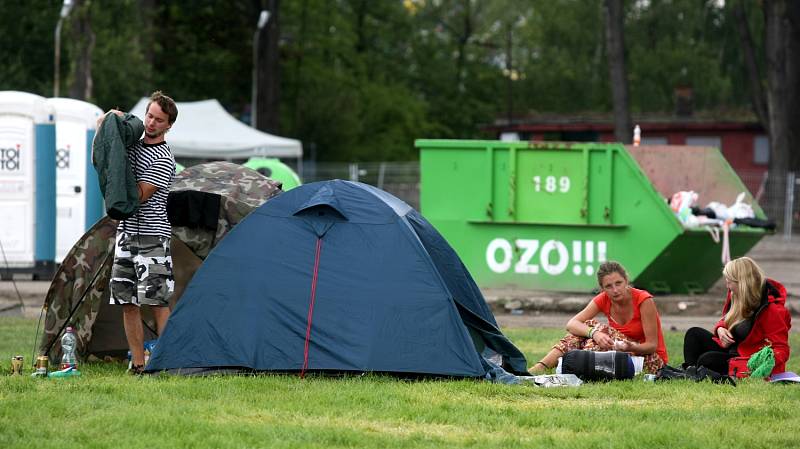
{"x": 142, "y": 271}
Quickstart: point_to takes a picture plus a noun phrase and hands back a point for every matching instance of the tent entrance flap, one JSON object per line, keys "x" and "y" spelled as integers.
{"x": 513, "y": 359}
{"x": 194, "y": 209}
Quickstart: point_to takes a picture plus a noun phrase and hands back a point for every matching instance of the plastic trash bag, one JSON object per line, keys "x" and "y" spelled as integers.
{"x": 681, "y": 203}
{"x": 740, "y": 209}
{"x": 553, "y": 380}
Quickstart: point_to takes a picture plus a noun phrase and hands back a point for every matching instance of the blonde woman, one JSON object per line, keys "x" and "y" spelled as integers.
{"x": 633, "y": 323}
{"x": 754, "y": 316}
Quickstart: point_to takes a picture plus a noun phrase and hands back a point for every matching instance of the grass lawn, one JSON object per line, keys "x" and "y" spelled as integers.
{"x": 106, "y": 408}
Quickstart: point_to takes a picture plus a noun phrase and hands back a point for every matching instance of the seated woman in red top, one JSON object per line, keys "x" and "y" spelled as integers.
{"x": 753, "y": 316}
{"x": 633, "y": 323}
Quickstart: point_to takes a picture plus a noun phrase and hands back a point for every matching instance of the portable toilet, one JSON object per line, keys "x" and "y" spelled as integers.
{"x": 79, "y": 203}
{"x": 27, "y": 184}
{"x": 544, "y": 215}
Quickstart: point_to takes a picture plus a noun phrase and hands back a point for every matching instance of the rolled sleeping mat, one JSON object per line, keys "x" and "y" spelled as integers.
{"x": 593, "y": 366}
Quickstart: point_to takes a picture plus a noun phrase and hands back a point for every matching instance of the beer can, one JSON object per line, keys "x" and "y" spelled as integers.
{"x": 42, "y": 363}
{"x": 16, "y": 365}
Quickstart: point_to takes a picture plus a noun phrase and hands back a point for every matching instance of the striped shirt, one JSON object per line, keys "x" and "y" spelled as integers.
{"x": 153, "y": 164}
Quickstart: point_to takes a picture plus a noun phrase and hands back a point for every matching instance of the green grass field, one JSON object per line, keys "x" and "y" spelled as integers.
{"x": 106, "y": 408}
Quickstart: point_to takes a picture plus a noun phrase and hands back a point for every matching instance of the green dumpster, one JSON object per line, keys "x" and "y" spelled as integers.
{"x": 543, "y": 216}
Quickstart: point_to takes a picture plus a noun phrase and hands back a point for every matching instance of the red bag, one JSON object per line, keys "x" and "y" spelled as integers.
{"x": 737, "y": 367}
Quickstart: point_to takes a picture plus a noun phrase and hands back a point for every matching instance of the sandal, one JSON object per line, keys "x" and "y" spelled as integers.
{"x": 533, "y": 369}
{"x": 136, "y": 370}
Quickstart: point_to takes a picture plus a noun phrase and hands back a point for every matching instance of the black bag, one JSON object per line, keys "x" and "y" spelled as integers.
{"x": 591, "y": 365}
{"x": 695, "y": 373}
{"x": 669, "y": 373}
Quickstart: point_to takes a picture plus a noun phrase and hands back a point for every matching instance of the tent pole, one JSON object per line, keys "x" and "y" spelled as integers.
{"x": 300, "y": 166}
{"x": 74, "y": 309}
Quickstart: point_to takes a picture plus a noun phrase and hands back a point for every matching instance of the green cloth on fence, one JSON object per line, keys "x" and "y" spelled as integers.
{"x": 762, "y": 362}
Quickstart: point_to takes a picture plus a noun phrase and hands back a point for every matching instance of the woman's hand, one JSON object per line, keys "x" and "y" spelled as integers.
{"x": 725, "y": 337}
{"x": 603, "y": 340}
{"x": 623, "y": 345}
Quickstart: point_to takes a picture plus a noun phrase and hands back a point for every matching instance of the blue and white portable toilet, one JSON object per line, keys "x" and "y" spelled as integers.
{"x": 27, "y": 184}
{"x": 79, "y": 203}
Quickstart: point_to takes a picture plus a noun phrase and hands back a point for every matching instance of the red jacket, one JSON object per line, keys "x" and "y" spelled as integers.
{"x": 771, "y": 325}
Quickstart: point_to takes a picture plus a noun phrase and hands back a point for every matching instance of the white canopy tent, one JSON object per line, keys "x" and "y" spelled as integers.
{"x": 204, "y": 129}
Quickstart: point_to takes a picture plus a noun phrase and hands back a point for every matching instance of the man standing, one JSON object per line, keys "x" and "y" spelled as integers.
{"x": 142, "y": 271}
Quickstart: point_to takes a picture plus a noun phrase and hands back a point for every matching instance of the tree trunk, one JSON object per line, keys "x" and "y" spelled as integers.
{"x": 148, "y": 36}
{"x": 298, "y": 69}
{"x": 510, "y": 74}
{"x": 361, "y": 34}
{"x": 753, "y": 72}
{"x": 83, "y": 37}
{"x": 615, "y": 52}
{"x": 782, "y": 87}
{"x": 268, "y": 72}
{"x": 793, "y": 87}
{"x": 463, "y": 39}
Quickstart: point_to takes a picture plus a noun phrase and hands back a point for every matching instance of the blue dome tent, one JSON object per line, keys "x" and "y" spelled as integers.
{"x": 334, "y": 276}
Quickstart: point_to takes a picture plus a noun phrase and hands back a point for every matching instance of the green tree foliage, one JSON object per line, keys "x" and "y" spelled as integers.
{"x": 120, "y": 72}
{"x": 680, "y": 43}
{"x": 361, "y": 79}
{"x": 454, "y": 65}
{"x": 343, "y": 80}
{"x": 204, "y": 50}
{"x": 563, "y": 62}
{"x": 26, "y": 45}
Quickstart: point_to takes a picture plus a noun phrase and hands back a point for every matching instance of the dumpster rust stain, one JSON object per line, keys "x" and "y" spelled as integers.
{"x": 672, "y": 168}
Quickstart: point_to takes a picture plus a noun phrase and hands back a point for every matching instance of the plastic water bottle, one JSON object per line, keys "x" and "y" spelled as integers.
{"x": 637, "y": 135}
{"x": 68, "y": 345}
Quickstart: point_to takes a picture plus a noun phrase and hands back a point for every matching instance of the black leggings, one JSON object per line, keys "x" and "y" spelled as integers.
{"x": 700, "y": 350}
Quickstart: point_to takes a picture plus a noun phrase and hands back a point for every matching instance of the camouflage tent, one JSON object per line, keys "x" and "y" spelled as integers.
{"x": 79, "y": 293}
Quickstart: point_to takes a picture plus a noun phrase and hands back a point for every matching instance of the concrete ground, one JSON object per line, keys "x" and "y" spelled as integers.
{"x": 779, "y": 259}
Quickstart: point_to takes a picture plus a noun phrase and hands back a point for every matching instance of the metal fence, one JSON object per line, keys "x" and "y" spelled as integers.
{"x": 778, "y": 194}
{"x": 401, "y": 179}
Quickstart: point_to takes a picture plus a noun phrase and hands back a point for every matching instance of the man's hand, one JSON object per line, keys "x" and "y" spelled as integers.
{"x": 110, "y": 111}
